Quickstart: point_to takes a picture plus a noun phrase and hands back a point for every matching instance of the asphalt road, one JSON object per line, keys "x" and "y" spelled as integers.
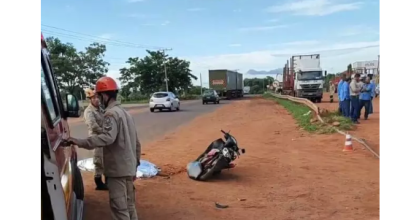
{"x": 153, "y": 125}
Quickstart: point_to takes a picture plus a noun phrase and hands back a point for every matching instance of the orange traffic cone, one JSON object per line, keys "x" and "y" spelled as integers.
{"x": 348, "y": 145}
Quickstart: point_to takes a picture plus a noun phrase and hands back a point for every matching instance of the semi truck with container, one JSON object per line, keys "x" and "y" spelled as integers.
{"x": 303, "y": 77}
{"x": 228, "y": 84}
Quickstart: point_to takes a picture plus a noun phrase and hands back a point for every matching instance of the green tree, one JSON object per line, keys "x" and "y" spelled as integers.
{"x": 258, "y": 85}
{"x": 195, "y": 90}
{"x": 148, "y": 73}
{"x": 329, "y": 77}
{"x": 92, "y": 65}
{"x": 350, "y": 69}
{"x": 64, "y": 58}
{"x": 75, "y": 70}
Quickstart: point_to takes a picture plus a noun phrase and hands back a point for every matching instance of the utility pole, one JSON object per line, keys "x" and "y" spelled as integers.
{"x": 201, "y": 85}
{"x": 165, "y": 70}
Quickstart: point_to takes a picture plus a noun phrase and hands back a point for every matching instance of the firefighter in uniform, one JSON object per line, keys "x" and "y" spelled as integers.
{"x": 332, "y": 88}
{"x": 121, "y": 151}
{"x": 93, "y": 117}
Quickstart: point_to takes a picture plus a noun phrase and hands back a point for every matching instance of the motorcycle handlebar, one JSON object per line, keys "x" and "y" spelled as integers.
{"x": 223, "y": 131}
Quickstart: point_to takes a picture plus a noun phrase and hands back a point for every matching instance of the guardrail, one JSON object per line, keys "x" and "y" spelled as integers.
{"x": 317, "y": 112}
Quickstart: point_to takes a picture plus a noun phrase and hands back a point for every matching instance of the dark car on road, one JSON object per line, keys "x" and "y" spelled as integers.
{"x": 210, "y": 96}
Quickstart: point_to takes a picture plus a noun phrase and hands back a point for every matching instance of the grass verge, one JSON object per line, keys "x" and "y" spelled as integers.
{"x": 305, "y": 117}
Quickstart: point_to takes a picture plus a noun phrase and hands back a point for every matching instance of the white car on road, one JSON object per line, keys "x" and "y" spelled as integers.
{"x": 164, "y": 100}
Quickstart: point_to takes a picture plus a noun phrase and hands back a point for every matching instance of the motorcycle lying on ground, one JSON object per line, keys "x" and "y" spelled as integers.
{"x": 218, "y": 156}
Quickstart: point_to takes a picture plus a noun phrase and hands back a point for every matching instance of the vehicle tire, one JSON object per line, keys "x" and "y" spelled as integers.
{"x": 151, "y": 109}
{"x": 217, "y": 172}
{"x": 178, "y": 108}
{"x": 204, "y": 103}
{"x": 210, "y": 172}
{"x": 215, "y": 102}
{"x": 78, "y": 186}
{"x": 318, "y": 100}
{"x": 218, "y": 102}
{"x": 170, "y": 109}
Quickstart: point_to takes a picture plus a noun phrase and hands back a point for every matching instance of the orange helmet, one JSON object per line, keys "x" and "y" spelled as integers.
{"x": 105, "y": 84}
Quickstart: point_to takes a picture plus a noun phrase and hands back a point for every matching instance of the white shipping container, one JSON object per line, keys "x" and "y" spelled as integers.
{"x": 306, "y": 62}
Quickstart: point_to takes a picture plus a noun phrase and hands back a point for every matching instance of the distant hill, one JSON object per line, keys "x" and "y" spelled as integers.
{"x": 263, "y": 72}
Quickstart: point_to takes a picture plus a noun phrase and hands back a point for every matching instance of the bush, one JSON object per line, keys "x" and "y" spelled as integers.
{"x": 189, "y": 97}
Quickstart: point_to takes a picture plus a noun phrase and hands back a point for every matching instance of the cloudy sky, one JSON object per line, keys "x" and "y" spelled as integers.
{"x": 231, "y": 34}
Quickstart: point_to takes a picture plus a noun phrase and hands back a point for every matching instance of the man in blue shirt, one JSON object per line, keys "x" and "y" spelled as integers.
{"x": 339, "y": 88}
{"x": 344, "y": 95}
{"x": 371, "y": 109}
{"x": 365, "y": 97}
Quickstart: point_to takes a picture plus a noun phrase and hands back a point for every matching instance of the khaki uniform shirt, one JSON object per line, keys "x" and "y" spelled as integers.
{"x": 93, "y": 118}
{"x": 355, "y": 88}
{"x": 332, "y": 88}
{"x": 119, "y": 140}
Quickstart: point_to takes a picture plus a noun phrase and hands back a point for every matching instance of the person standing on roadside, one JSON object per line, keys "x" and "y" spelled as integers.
{"x": 339, "y": 88}
{"x": 121, "y": 150}
{"x": 360, "y": 85}
{"x": 93, "y": 118}
{"x": 354, "y": 98}
{"x": 331, "y": 90}
{"x": 371, "y": 109}
{"x": 365, "y": 98}
{"x": 345, "y": 98}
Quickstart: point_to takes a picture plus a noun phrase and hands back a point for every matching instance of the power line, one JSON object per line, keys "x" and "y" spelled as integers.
{"x": 110, "y": 43}
{"x": 102, "y": 38}
{"x": 352, "y": 49}
{"x": 58, "y": 34}
{"x": 75, "y": 35}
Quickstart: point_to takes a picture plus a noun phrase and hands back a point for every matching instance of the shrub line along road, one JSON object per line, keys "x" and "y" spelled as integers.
{"x": 153, "y": 125}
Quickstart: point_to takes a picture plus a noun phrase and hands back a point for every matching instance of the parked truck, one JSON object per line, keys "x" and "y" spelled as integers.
{"x": 227, "y": 83}
{"x": 303, "y": 77}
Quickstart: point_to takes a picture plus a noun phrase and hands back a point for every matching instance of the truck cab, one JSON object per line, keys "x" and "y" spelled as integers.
{"x": 61, "y": 180}
{"x": 308, "y": 77}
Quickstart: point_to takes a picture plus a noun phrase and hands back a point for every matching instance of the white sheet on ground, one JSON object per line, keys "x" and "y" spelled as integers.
{"x": 145, "y": 169}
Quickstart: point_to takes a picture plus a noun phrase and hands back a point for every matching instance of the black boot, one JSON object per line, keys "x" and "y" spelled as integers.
{"x": 99, "y": 183}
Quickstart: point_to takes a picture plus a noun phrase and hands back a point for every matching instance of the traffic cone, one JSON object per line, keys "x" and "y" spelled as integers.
{"x": 348, "y": 145}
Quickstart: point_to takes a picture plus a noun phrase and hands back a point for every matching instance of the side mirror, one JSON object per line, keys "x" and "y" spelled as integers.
{"x": 243, "y": 150}
{"x": 73, "y": 110}
{"x": 325, "y": 72}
